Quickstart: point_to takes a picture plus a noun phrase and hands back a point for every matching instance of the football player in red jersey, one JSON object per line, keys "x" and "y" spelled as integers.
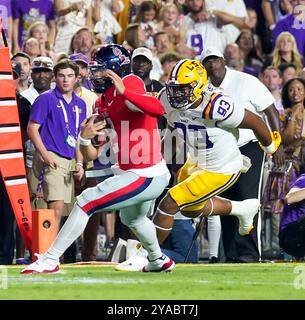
{"x": 141, "y": 173}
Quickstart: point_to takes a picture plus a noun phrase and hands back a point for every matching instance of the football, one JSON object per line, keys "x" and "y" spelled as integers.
{"x": 98, "y": 118}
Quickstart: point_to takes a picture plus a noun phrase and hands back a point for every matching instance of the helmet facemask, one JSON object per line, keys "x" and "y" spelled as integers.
{"x": 97, "y": 75}
{"x": 181, "y": 96}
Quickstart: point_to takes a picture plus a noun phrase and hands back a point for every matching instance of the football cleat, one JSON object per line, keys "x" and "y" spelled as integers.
{"x": 213, "y": 260}
{"x": 135, "y": 263}
{"x": 41, "y": 265}
{"x": 251, "y": 207}
{"x": 20, "y": 261}
{"x": 163, "y": 263}
{"x": 133, "y": 247}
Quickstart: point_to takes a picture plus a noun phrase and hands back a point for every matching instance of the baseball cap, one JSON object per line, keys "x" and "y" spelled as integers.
{"x": 142, "y": 51}
{"x": 42, "y": 63}
{"x": 79, "y": 57}
{"x": 211, "y": 52}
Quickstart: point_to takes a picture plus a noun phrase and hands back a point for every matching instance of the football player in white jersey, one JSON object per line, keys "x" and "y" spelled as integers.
{"x": 208, "y": 123}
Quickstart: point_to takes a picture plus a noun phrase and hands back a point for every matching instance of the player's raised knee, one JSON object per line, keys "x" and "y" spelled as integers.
{"x": 168, "y": 206}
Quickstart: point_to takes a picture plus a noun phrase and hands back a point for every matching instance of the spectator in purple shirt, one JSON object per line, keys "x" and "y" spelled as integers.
{"x": 27, "y": 12}
{"x": 292, "y": 225}
{"x": 54, "y": 126}
{"x": 6, "y": 15}
{"x": 293, "y": 23}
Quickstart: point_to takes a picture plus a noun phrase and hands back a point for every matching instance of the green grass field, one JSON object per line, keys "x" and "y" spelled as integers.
{"x": 186, "y": 282}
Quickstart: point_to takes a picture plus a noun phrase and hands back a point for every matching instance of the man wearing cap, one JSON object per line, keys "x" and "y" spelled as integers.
{"x": 82, "y": 61}
{"x": 41, "y": 74}
{"x": 54, "y": 126}
{"x": 247, "y": 92}
{"x": 25, "y": 62}
{"x": 141, "y": 64}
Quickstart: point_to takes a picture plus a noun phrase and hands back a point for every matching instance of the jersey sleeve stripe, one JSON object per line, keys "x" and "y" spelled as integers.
{"x": 214, "y": 98}
{"x": 206, "y": 111}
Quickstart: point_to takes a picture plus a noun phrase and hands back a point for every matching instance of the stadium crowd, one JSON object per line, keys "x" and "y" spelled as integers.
{"x": 263, "y": 40}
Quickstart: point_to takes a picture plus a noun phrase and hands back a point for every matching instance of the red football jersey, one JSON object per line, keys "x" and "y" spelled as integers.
{"x": 139, "y": 143}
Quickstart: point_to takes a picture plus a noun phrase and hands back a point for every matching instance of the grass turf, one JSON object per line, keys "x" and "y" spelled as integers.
{"x": 199, "y": 282}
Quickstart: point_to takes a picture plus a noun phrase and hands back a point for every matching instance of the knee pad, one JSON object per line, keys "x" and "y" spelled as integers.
{"x": 188, "y": 191}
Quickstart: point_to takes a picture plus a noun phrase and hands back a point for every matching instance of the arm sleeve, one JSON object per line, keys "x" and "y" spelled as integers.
{"x": 276, "y": 31}
{"x": 135, "y": 94}
{"x": 300, "y": 182}
{"x": 241, "y": 9}
{"x": 39, "y": 109}
{"x": 15, "y": 10}
{"x": 51, "y": 12}
{"x": 260, "y": 97}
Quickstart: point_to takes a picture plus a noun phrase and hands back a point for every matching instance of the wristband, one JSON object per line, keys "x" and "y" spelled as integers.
{"x": 274, "y": 145}
{"x": 79, "y": 164}
{"x": 84, "y": 142}
{"x": 269, "y": 149}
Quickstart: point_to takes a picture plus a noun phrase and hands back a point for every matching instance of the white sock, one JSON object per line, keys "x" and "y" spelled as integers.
{"x": 237, "y": 208}
{"x": 70, "y": 231}
{"x": 214, "y": 232}
{"x": 146, "y": 232}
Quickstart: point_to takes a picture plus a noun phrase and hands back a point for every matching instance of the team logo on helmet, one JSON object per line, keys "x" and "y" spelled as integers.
{"x": 187, "y": 83}
{"x": 123, "y": 58}
{"x": 113, "y": 57}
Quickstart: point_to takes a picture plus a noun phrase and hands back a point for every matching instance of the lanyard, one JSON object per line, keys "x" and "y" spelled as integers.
{"x": 66, "y": 118}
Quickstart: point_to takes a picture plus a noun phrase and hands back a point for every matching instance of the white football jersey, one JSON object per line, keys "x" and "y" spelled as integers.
{"x": 209, "y": 131}
{"x": 201, "y": 35}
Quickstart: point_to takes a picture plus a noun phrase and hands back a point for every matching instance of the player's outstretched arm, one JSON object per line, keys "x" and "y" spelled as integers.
{"x": 269, "y": 141}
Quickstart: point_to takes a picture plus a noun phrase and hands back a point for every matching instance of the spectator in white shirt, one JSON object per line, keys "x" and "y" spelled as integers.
{"x": 231, "y": 16}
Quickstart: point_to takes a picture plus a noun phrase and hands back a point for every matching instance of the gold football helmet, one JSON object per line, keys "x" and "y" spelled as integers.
{"x": 187, "y": 82}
